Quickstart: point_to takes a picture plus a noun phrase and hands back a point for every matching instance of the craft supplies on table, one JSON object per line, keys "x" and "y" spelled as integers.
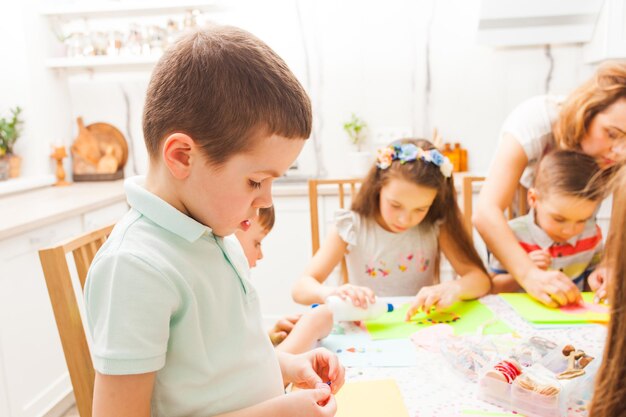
{"x": 371, "y": 399}
{"x": 434, "y": 387}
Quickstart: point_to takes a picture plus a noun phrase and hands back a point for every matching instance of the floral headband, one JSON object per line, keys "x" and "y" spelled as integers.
{"x": 408, "y": 152}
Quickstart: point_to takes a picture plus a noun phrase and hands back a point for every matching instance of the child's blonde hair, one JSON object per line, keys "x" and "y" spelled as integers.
{"x": 266, "y": 218}
{"x": 224, "y": 88}
{"x": 426, "y": 174}
{"x": 610, "y": 391}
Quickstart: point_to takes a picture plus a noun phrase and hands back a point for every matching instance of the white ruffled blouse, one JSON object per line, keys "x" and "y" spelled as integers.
{"x": 392, "y": 264}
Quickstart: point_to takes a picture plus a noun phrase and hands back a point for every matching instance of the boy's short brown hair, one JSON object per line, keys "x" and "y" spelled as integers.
{"x": 266, "y": 218}
{"x": 570, "y": 173}
{"x": 223, "y": 86}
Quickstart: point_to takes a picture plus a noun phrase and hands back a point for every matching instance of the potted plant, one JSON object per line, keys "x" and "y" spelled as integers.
{"x": 10, "y": 129}
{"x": 360, "y": 161}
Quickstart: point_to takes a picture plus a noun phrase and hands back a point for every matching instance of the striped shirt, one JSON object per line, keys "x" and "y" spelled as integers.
{"x": 576, "y": 258}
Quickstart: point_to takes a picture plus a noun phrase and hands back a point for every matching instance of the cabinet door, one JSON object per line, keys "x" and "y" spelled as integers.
{"x": 286, "y": 250}
{"x": 32, "y": 359}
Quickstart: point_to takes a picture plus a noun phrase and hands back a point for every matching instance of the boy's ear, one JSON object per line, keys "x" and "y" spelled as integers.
{"x": 177, "y": 152}
{"x": 532, "y": 196}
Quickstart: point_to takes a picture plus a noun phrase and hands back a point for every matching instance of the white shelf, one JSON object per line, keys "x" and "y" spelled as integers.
{"x": 101, "y": 61}
{"x": 124, "y": 7}
{"x": 17, "y": 185}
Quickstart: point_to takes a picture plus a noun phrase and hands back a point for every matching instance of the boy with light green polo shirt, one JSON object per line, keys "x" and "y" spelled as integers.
{"x": 175, "y": 323}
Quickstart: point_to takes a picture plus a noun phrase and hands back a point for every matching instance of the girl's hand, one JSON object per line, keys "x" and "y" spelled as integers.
{"x": 553, "y": 288}
{"x": 438, "y": 296}
{"x": 360, "y": 296}
{"x": 541, "y": 258}
{"x": 598, "y": 282}
{"x": 308, "y": 369}
{"x": 317, "y": 402}
{"x": 282, "y": 328}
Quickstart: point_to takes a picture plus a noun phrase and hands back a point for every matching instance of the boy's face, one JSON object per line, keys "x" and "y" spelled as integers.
{"x": 561, "y": 216}
{"x": 251, "y": 242}
{"x": 228, "y": 197}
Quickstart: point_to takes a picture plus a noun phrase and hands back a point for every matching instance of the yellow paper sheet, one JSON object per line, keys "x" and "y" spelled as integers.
{"x": 370, "y": 399}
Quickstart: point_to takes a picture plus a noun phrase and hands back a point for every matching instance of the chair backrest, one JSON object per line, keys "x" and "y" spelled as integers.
{"x": 518, "y": 207}
{"x": 66, "y": 311}
{"x": 341, "y": 185}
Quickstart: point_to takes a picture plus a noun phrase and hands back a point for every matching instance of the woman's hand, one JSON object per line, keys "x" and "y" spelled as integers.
{"x": 360, "y": 296}
{"x": 437, "y": 296}
{"x": 315, "y": 366}
{"x": 552, "y": 288}
{"x": 541, "y": 258}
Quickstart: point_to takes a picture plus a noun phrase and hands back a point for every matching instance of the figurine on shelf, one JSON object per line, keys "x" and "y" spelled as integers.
{"x": 58, "y": 154}
{"x": 85, "y": 150}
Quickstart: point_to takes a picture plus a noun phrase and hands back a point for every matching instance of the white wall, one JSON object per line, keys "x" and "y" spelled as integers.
{"x": 366, "y": 57}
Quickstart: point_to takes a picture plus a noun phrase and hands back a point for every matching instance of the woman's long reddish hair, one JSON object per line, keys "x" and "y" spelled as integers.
{"x": 609, "y": 399}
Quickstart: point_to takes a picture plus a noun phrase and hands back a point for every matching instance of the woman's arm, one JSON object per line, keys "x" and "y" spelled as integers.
{"x": 553, "y": 288}
{"x": 309, "y": 289}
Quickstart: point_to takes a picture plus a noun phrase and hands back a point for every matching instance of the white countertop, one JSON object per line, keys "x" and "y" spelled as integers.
{"x": 33, "y": 209}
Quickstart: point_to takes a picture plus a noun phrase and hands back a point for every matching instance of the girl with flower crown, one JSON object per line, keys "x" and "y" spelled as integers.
{"x": 402, "y": 218}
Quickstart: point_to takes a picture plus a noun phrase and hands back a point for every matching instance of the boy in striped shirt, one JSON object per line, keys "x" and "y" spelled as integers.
{"x": 560, "y": 231}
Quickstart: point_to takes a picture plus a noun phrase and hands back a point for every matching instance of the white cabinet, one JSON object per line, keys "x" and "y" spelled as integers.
{"x": 33, "y": 373}
{"x": 609, "y": 38}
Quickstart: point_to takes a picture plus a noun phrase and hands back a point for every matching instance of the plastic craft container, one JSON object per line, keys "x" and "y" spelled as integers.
{"x": 532, "y": 403}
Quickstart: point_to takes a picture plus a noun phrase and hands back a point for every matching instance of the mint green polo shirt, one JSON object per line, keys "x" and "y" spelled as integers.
{"x": 164, "y": 294}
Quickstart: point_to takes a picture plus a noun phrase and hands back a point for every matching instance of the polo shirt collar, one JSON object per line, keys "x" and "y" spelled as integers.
{"x": 161, "y": 212}
{"x": 540, "y": 237}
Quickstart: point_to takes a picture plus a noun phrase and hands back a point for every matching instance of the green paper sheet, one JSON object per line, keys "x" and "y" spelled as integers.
{"x": 535, "y": 312}
{"x": 471, "y": 315}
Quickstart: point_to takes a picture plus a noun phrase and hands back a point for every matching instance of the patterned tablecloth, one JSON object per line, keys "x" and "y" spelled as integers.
{"x": 434, "y": 389}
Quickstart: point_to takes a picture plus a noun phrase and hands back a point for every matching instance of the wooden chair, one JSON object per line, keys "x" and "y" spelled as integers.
{"x": 341, "y": 184}
{"x": 66, "y": 312}
{"x": 521, "y": 202}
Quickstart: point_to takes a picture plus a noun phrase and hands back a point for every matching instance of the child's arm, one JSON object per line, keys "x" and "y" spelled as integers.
{"x": 308, "y": 369}
{"x": 131, "y": 395}
{"x": 309, "y": 289}
{"x": 312, "y": 326}
{"x": 473, "y": 281}
{"x": 123, "y": 395}
{"x": 552, "y": 288}
{"x": 283, "y": 328}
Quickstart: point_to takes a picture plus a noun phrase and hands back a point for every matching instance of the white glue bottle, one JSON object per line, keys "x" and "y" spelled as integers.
{"x": 344, "y": 310}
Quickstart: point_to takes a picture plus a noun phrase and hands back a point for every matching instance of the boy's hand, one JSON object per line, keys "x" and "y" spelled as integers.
{"x": 318, "y": 402}
{"x": 438, "y": 296}
{"x": 552, "y": 288}
{"x": 541, "y": 258}
{"x": 282, "y": 328}
{"x": 360, "y": 296}
{"x": 315, "y": 366}
{"x": 598, "y": 282}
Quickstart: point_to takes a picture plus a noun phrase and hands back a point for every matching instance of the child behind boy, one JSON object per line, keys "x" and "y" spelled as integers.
{"x": 175, "y": 324}
{"x": 560, "y": 231}
{"x": 293, "y": 334}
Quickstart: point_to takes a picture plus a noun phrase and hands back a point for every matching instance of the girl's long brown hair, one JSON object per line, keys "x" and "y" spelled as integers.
{"x": 606, "y": 86}
{"x": 609, "y": 399}
{"x": 426, "y": 174}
